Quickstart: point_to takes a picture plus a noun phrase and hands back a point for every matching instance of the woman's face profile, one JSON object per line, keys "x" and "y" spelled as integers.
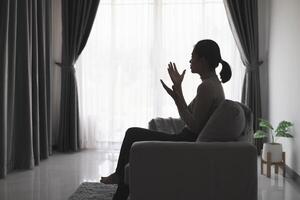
{"x": 196, "y": 64}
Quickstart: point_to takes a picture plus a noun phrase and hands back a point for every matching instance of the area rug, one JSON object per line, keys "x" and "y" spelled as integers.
{"x": 93, "y": 191}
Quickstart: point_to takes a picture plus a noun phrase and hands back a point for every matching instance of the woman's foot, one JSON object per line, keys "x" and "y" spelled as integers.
{"x": 111, "y": 179}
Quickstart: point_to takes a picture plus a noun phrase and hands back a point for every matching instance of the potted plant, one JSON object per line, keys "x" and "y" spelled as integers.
{"x": 282, "y": 130}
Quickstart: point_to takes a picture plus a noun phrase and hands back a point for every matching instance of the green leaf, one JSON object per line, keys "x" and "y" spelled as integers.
{"x": 283, "y": 129}
{"x": 284, "y": 135}
{"x": 265, "y": 124}
{"x": 260, "y": 134}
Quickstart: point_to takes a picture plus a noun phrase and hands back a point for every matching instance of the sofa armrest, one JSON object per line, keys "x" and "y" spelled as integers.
{"x": 186, "y": 170}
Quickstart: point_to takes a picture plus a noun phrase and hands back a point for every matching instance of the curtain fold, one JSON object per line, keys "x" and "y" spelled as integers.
{"x": 24, "y": 103}
{"x": 77, "y": 20}
{"x": 4, "y": 16}
{"x": 243, "y": 20}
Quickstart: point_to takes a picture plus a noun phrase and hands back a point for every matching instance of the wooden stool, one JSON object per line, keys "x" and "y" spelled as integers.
{"x": 280, "y": 164}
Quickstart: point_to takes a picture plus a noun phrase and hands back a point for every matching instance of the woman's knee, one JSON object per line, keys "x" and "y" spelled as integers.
{"x": 136, "y": 134}
{"x": 131, "y": 131}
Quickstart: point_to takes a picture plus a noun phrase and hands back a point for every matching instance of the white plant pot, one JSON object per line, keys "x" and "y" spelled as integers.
{"x": 275, "y": 149}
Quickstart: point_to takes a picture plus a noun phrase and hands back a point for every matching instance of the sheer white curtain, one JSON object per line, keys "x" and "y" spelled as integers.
{"x": 127, "y": 53}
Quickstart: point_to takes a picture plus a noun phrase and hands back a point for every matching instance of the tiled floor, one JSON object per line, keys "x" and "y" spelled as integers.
{"x": 58, "y": 177}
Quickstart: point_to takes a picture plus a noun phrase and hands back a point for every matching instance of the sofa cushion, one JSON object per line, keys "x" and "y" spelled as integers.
{"x": 226, "y": 123}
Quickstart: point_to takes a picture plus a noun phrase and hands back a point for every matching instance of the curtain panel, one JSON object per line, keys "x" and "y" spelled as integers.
{"x": 243, "y": 20}
{"x": 77, "y": 20}
{"x": 25, "y": 60}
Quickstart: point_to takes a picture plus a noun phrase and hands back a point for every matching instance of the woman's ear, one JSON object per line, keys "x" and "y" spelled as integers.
{"x": 203, "y": 61}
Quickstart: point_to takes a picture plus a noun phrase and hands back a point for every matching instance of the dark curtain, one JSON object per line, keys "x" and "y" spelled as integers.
{"x": 25, "y": 57}
{"x": 243, "y": 20}
{"x": 77, "y": 20}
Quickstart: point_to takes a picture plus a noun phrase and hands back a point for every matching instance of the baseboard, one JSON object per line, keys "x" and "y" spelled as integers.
{"x": 293, "y": 175}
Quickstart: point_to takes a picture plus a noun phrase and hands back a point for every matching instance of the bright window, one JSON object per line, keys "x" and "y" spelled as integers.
{"x": 127, "y": 53}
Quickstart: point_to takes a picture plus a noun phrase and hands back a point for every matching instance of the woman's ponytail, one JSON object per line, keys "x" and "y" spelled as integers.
{"x": 225, "y": 72}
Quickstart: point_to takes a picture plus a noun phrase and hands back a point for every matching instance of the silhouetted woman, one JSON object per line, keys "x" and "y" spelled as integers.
{"x": 205, "y": 59}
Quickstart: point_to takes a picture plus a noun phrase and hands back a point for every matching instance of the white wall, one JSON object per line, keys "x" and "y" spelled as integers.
{"x": 284, "y": 72}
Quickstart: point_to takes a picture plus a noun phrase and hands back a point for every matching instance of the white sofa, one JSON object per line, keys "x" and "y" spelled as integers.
{"x": 194, "y": 170}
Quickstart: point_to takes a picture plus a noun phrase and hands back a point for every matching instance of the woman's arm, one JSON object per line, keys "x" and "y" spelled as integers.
{"x": 176, "y": 91}
{"x": 196, "y": 118}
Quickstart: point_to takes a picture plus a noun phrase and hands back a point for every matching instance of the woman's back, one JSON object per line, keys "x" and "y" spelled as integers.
{"x": 210, "y": 94}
